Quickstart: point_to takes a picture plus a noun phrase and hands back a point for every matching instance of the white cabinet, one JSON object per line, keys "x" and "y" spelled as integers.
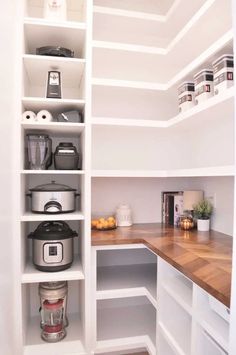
{"x": 177, "y": 319}
{"x": 124, "y": 298}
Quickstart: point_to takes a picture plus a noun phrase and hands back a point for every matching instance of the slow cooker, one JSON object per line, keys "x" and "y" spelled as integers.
{"x": 53, "y": 198}
{"x": 52, "y": 246}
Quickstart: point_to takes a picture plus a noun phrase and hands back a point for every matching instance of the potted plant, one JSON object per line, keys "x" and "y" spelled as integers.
{"x": 202, "y": 211}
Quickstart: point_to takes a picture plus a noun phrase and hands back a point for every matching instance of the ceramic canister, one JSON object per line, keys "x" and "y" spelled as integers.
{"x": 203, "y": 81}
{"x": 186, "y": 96}
{"x": 223, "y": 69}
{"x": 123, "y": 216}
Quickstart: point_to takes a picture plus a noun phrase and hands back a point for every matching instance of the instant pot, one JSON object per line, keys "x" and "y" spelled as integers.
{"x": 52, "y": 245}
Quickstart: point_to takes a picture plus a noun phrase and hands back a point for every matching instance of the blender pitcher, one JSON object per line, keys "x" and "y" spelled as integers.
{"x": 39, "y": 151}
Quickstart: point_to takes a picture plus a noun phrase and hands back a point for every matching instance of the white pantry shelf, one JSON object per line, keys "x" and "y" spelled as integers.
{"x": 73, "y": 342}
{"x": 55, "y": 127}
{"x": 153, "y": 6}
{"x": 37, "y": 67}
{"x": 126, "y": 281}
{"x": 210, "y": 108}
{"x": 65, "y": 34}
{"x": 128, "y": 13}
{"x": 41, "y": 103}
{"x": 38, "y": 217}
{"x": 31, "y": 274}
{"x": 61, "y": 24}
{"x": 52, "y": 172}
{"x": 146, "y": 27}
{"x": 205, "y": 171}
{"x": 128, "y": 84}
{"x": 128, "y": 47}
{"x": 123, "y": 324}
{"x": 129, "y": 57}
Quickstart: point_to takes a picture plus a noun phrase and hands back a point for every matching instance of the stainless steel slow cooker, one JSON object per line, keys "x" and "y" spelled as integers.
{"x": 52, "y": 198}
{"x": 52, "y": 246}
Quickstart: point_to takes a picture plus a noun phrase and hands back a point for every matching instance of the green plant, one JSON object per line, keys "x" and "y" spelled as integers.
{"x": 203, "y": 209}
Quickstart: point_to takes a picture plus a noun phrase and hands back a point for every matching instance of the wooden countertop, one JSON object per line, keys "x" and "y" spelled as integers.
{"x": 204, "y": 257}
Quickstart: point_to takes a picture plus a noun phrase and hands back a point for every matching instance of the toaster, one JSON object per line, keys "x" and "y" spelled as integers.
{"x": 66, "y": 157}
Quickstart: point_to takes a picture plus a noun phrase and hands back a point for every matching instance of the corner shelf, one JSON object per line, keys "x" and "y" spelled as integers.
{"x": 128, "y": 84}
{"x": 31, "y": 275}
{"x": 208, "y": 171}
{"x": 135, "y": 325}
{"x": 128, "y": 13}
{"x": 221, "y": 102}
{"x": 126, "y": 281}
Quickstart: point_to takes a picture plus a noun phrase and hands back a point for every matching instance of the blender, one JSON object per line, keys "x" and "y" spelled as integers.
{"x": 53, "y": 302}
{"x": 39, "y": 148}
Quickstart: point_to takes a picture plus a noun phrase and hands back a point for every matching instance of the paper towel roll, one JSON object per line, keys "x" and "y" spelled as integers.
{"x": 28, "y": 116}
{"x": 44, "y": 116}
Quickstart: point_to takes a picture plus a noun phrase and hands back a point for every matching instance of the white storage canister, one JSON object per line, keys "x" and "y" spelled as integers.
{"x": 186, "y": 96}
{"x": 123, "y": 216}
{"x": 203, "y": 81}
{"x": 223, "y": 69}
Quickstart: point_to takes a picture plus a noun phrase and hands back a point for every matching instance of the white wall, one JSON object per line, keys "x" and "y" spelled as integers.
{"x": 6, "y": 123}
{"x": 190, "y": 144}
{"x": 144, "y": 197}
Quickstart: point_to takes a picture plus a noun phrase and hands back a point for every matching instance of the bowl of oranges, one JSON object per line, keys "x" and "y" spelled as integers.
{"x": 103, "y": 223}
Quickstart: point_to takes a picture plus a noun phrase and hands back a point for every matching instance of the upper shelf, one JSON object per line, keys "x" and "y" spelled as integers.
{"x": 144, "y": 57}
{"x": 222, "y": 102}
{"x": 150, "y": 68}
{"x": 131, "y": 27}
{"x": 198, "y": 172}
{"x": 39, "y": 33}
{"x": 155, "y": 8}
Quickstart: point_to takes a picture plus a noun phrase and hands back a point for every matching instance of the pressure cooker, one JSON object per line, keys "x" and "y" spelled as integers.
{"x": 52, "y": 246}
{"x": 53, "y": 198}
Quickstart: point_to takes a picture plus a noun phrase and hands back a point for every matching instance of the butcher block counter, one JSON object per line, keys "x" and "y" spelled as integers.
{"x": 204, "y": 257}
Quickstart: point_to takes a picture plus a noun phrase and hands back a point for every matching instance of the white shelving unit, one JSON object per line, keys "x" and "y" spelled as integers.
{"x": 75, "y": 77}
{"x": 129, "y": 58}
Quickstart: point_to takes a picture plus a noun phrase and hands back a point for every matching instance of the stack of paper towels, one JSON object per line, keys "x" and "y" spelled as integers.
{"x": 42, "y": 116}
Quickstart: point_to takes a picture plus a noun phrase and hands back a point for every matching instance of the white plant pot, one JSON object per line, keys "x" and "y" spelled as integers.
{"x": 203, "y": 225}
